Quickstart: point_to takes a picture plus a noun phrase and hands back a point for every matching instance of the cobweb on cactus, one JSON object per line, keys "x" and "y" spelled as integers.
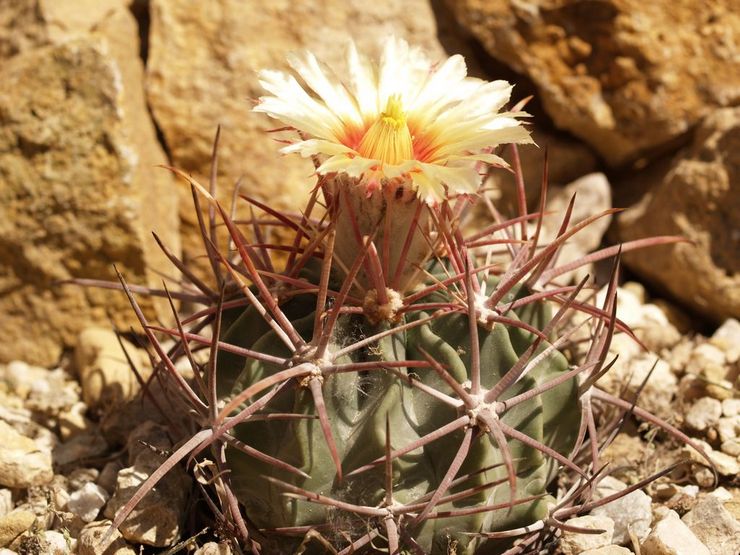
{"x": 390, "y": 375}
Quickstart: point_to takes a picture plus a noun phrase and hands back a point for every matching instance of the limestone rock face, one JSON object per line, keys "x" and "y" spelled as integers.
{"x": 78, "y": 188}
{"x": 697, "y": 197}
{"x": 202, "y": 72}
{"x": 626, "y": 76}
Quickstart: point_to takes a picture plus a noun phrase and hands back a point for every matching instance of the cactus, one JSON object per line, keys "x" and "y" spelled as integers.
{"x": 402, "y": 383}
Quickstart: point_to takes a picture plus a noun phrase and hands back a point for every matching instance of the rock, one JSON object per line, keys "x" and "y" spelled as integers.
{"x": 649, "y": 322}
{"x": 6, "y": 501}
{"x": 213, "y": 548}
{"x": 608, "y": 550}
{"x": 572, "y": 543}
{"x": 704, "y": 274}
{"x": 87, "y": 501}
{"x": 103, "y": 369}
{"x": 14, "y": 524}
{"x": 726, "y": 465}
{"x": 79, "y": 190}
{"x": 81, "y": 476}
{"x": 722, "y": 494}
{"x": 632, "y": 368}
{"x": 57, "y": 544}
{"x": 22, "y": 463}
{"x": 45, "y": 392}
{"x": 89, "y": 542}
{"x": 731, "y": 447}
{"x": 83, "y": 446}
{"x": 728, "y": 428}
{"x": 631, "y": 513}
{"x": 625, "y": 76}
{"x": 704, "y": 414}
{"x": 109, "y": 475}
{"x": 593, "y": 196}
{"x": 670, "y": 536}
{"x": 714, "y": 526}
{"x": 148, "y": 437}
{"x": 156, "y": 519}
{"x": 731, "y": 407}
{"x": 707, "y": 371}
{"x": 727, "y": 338}
{"x": 73, "y": 421}
{"x": 684, "y": 500}
{"x": 202, "y": 73}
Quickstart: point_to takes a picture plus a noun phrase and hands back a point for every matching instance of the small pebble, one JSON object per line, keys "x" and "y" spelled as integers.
{"x": 714, "y": 526}
{"x": 109, "y": 476}
{"x": 670, "y": 536}
{"x": 87, "y": 501}
{"x": 631, "y": 513}
{"x": 731, "y": 407}
{"x": 704, "y": 414}
{"x": 22, "y": 463}
{"x": 57, "y": 544}
{"x": 728, "y": 428}
{"x": 574, "y": 543}
{"x": 6, "y": 501}
{"x": 727, "y": 338}
{"x": 81, "y": 476}
{"x": 608, "y": 550}
{"x": 14, "y": 524}
{"x": 89, "y": 541}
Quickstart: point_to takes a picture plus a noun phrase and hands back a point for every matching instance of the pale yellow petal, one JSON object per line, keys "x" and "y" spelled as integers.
{"x": 352, "y": 166}
{"x": 312, "y": 147}
{"x": 329, "y": 89}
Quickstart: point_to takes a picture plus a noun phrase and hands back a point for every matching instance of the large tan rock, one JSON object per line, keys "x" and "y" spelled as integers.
{"x": 626, "y": 76}
{"x": 697, "y": 197}
{"x": 78, "y": 188}
{"x": 202, "y": 71}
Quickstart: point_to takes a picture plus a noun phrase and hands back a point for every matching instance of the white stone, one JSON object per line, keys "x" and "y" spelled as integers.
{"x": 727, "y": 337}
{"x": 6, "y": 501}
{"x": 722, "y": 494}
{"x": 731, "y": 447}
{"x": 631, "y": 513}
{"x": 728, "y": 427}
{"x": 670, "y": 536}
{"x": 57, "y": 544}
{"x": 87, "y": 501}
{"x": 704, "y": 414}
{"x": 715, "y": 526}
{"x": 608, "y": 550}
{"x": 704, "y": 355}
{"x": 573, "y": 543}
{"x": 731, "y": 407}
{"x": 727, "y": 465}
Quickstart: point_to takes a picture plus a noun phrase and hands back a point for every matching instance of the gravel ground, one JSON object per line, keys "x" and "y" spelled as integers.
{"x": 79, "y": 439}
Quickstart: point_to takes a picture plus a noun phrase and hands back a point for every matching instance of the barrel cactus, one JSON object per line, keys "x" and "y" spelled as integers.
{"x": 401, "y": 384}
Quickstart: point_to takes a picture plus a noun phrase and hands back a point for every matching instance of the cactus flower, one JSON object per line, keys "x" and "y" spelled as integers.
{"x": 403, "y": 121}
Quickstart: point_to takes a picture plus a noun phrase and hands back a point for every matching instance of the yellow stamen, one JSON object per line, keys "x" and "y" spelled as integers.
{"x": 389, "y": 138}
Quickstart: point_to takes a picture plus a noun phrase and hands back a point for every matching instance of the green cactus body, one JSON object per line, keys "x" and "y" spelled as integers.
{"x": 358, "y": 404}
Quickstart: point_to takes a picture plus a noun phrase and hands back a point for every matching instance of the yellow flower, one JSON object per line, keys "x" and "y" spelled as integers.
{"x": 404, "y": 119}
